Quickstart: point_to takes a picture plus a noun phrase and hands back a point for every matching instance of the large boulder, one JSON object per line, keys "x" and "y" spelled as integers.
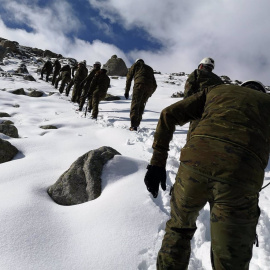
{"x": 9, "y": 130}
{"x": 7, "y": 151}
{"x": 9, "y": 44}
{"x": 82, "y": 181}
{"x": 29, "y": 78}
{"x": 116, "y": 66}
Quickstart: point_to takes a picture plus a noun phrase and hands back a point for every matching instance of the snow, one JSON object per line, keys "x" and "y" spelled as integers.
{"x": 124, "y": 227}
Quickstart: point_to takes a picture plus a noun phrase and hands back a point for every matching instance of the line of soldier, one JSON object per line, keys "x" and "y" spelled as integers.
{"x": 94, "y": 86}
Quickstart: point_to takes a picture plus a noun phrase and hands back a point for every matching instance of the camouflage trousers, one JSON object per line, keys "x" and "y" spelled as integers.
{"x": 55, "y": 74}
{"x": 83, "y": 98}
{"x": 64, "y": 80}
{"x": 141, "y": 94}
{"x": 77, "y": 91}
{"x": 71, "y": 83}
{"x": 234, "y": 214}
{"x": 94, "y": 100}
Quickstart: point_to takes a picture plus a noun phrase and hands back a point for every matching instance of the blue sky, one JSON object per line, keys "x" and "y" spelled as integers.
{"x": 171, "y": 35}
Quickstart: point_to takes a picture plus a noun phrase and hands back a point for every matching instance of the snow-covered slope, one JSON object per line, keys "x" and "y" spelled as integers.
{"x": 124, "y": 227}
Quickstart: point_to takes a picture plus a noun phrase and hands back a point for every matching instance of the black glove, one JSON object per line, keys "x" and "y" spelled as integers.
{"x": 126, "y": 94}
{"x": 153, "y": 177}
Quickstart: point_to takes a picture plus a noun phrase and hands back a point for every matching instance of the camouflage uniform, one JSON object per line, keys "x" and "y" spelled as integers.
{"x": 80, "y": 75}
{"x": 144, "y": 86}
{"x": 64, "y": 76}
{"x": 197, "y": 81}
{"x": 98, "y": 90}
{"x": 47, "y": 68}
{"x": 223, "y": 164}
{"x": 57, "y": 67}
{"x": 86, "y": 85}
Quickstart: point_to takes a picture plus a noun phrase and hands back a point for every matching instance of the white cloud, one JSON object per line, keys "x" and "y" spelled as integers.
{"x": 234, "y": 33}
{"x": 51, "y": 26}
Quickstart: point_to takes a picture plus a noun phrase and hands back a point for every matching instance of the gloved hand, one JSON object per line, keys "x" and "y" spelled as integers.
{"x": 155, "y": 175}
{"x": 126, "y": 95}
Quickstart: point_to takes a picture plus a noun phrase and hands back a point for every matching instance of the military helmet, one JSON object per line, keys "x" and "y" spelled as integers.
{"x": 256, "y": 85}
{"x": 139, "y": 59}
{"x": 104, "y": 67}
{"x": 97, "y": 63}
{"x": 208, "y": 62}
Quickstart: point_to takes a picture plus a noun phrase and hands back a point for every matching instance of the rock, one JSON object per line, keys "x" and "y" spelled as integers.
{"x": 115, "y": 77}
{"x": 3, "y": 114}
{"x": 9, "y": 44}
{"x": 178, "y": 95}
{"x": 35, "y": 93}
{"x": 110, "y": 97}
{"x": 19, "y": 91}
{"x": 9, "y": 130}
{"x": 116, "y": 67}
{"x": 16, "y": 106}
{"x": 3, "y": 52}
{"x": 7, "y": 151}
{"x": 49, "y": 54}
{"x": 82, "y": 181}
{"x": 48, "y": 127}
{"x": 7, "y": 122}
{"x": 29, "y": 78}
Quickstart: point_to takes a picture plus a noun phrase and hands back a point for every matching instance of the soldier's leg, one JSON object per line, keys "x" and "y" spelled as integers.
{"x": 79, "y": 93}
{"x": 234, "y": 217}
{"x": 188, "y": 197}
{"x": 142, "y": 102}
{"x": 59, "y": 78}
{"x": 95, "y": 102}
{"x": 71, "y": 83}
{"x": 135, "y": 103}
{"x": 74, "y": 92}
{"x": 63, "y": 83}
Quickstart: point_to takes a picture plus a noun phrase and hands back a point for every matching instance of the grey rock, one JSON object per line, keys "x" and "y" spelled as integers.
{"x": 3, "y": 114}
{"x": 110, "y": 97}
{"x": 48, "y": 127}
{"x": 35, "y": 93}
{"x": 116, "y": 66}
{"x": 3, "y": 52}
{"x": 49, "y": 54}
{"x": 7, "y": 151}
{"x": 9, "y": 44}
{"x": 9, "y": 130}
{"x": 178, "y": 95}
{"x": 82, "y": 181}
{"x": 19, "y": 91}
{"x": 7, "y": 122}
{"x": 29, "y": 78}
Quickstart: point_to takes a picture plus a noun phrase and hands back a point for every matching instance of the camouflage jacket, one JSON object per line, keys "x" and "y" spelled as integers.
{"x": 87, "y": 81}
{"x": 199, "y": 79}
{"x": 142, "y": 74}
{"x": 100, "y": 82}
{"x": 232, "y": 140}
{"x": 48, "y": 66}
{"x": 57, "y": 65}
{"x": 81, "y": 73}
{"x": 66, "y": 68}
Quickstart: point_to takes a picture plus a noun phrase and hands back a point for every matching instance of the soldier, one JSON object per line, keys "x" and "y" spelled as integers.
{"x": 144, "y": 86}
{"x": 85, "y": 84}
{"x": 98, "y": 90}
{"x": 65, "y": 76}
{"x": 198, "y": 80}
{"x": 57, "y": 67}
{"x": 223, "y": 164}
{"x": 47, "y": 68}
{"x": 80, "y": 75}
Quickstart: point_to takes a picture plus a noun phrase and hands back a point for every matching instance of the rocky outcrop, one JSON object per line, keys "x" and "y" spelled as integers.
{"x": 35, "y": 93}
{"x": 3, "y": 114}
{"x": 19, "y": 91}
{"x": 29, "y": 78}
{"x": 110, "y": 97}
{"x": 7, "y": 151}
{"x": 48, "y": 127}
{"x": 9, "y": 130}
{"x": 49, "y": 54}
{"x": 116, "y": 66}
{"x": 82, "y": 181}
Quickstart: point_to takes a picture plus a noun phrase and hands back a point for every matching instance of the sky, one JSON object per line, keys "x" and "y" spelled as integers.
{"x": 171, "y": 36}
{"x": 124, "y": 227}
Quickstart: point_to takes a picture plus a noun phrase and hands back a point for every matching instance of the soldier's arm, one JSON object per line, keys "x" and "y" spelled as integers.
{"x": 191, "y": 85}
{"x": 178, "y": 113}
{"x": 130, "y": 76}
